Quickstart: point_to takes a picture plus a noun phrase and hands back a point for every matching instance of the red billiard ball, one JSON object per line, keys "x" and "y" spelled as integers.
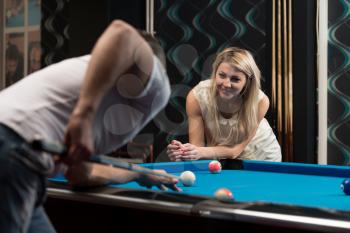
{"x": 345, "y": 186}
{"x": 224, "y": 194}
{"x": 214, "y": 166}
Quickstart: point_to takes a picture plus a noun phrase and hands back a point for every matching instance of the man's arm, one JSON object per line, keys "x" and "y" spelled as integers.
{"x": 119, "y": 51}
{"x": 92, "y": 174}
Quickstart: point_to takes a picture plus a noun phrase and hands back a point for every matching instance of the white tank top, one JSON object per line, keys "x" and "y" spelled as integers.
{"x": 263, "y": 146}
{"x": 41, "y": 103}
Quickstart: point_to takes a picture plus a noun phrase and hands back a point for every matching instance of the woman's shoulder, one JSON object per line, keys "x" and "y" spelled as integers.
{"x": 261, "y": 95}
{"x": 204, "y": 83}
{"x": 201, "y": 93}
{"x": 202, "y": 86}
{"x": 202, "y": 89}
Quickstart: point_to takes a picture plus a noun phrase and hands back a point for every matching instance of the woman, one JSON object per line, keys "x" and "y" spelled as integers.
{"x": 226, "y": 114}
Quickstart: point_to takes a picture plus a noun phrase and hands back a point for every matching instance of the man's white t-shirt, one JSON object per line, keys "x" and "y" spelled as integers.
{"x": 41, "y": 104}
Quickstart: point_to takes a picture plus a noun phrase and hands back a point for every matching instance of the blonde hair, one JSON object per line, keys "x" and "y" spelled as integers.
{"x": 247, "y": 115}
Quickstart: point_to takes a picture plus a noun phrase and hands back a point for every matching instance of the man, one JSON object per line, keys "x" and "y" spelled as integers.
{"x": 95, "y": 103}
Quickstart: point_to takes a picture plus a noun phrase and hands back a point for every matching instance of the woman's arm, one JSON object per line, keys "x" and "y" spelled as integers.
{"x": 195, "y": 132}
{"x": 195, "y": 121}
{"x": 194, "y": 152}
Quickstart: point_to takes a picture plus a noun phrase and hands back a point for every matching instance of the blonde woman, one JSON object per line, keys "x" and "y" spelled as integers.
{"x": 226, "y": 114}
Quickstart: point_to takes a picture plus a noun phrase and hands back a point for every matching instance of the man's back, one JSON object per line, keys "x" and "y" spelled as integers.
{"x": 41, "y": 103}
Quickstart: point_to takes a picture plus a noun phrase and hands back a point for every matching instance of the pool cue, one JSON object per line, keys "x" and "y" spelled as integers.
{"x": 60, "y": 149}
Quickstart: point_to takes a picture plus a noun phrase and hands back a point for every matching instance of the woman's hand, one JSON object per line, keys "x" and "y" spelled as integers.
{"x": 192, "y": 152}
{"x": 175, "y": 150}
{"x": 178, "y": 151}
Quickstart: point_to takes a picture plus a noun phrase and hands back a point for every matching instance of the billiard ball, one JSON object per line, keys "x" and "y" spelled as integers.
{"x": 214, "y": 166}
{"x": 187, "y": 178}
{"x": 345, "y": 186}
{"x": 224, "y": 194}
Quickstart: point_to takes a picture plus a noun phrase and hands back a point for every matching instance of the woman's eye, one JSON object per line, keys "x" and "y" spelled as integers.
{"x": 222, "y": 75}
{"x": 235, "y": 79}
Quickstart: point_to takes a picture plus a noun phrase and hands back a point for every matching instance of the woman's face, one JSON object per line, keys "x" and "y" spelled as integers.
{"x": 229, "y": 81}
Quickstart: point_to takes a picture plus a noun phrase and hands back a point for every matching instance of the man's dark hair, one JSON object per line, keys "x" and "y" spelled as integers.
{"x": 155, "y": 45}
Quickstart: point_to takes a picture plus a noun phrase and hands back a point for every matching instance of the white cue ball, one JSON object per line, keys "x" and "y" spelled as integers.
{"x": 187, "y": 178}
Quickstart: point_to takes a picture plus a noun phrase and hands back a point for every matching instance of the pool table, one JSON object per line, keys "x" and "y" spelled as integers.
{"x": 269, "y": 197}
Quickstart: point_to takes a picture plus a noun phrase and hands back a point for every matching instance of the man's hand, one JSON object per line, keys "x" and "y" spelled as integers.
{"x": 78, "y": 139}
{"x": 160, "y": 181}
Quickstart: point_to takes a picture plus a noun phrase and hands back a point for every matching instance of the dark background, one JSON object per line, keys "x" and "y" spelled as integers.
{"x": 203, "y": 27}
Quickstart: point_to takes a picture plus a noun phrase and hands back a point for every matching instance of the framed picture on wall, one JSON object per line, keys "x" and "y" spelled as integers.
{"x": 21, "y": 41}
{"x": 14, "y": 13}
{"x": 14, "y": 57}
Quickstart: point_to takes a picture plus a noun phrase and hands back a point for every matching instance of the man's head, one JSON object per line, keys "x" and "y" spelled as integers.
{"x": 155, "y": 46}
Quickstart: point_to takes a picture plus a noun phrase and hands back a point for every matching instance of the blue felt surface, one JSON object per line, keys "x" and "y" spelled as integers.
{"x": 292, "y": 189}
{"x": 298, "y": 168}
{"x": 275, "y": 187}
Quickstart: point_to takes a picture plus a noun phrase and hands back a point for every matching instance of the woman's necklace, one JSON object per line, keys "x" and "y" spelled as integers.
{"x": 228, "y": 109}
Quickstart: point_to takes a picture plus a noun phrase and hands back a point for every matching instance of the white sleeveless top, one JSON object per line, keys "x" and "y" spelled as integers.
{"x": 263, "y": 146}
{"x": 41, "y": 104}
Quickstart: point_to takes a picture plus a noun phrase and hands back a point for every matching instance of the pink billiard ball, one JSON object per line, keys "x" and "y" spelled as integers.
{"x": 214, "y": 166}
{"x": 224, "y": 194}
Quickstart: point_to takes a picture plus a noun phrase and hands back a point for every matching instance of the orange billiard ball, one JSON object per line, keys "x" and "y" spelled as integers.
{"x": 224, "y": 194}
